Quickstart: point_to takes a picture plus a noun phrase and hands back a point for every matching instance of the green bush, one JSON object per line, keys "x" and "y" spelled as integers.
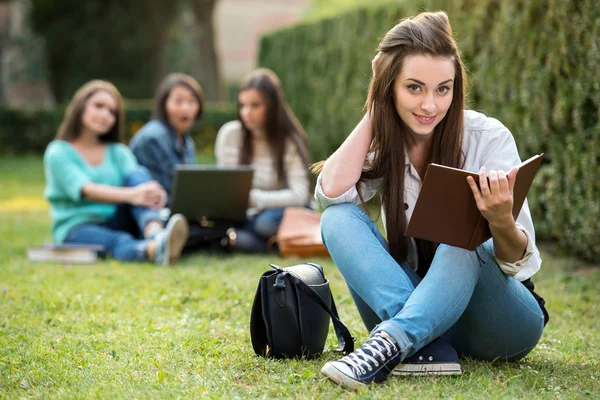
{"x": 24, "y": 131}
{"x": 92, "y": 39}
{"x": 534, "y": 65}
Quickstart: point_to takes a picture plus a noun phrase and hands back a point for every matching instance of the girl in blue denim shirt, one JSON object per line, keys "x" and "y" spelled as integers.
{"x": 165, "y": 141}
{"x": 98, "y": 193}
{"x": 427, "y": 303}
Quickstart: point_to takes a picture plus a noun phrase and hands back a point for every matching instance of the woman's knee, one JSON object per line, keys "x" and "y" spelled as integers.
{"x": 335, "y": 218}
{"x": 462, "y": 258}
{"x": 455, "y": 258}
{"x": 137, "y": 176}
{"x": 267, "y": 223}
{"x": 508, "y": 333}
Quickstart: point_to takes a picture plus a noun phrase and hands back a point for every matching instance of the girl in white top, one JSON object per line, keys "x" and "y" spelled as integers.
{"x": 425, "y": 303}
{"x": 267, "y": 137}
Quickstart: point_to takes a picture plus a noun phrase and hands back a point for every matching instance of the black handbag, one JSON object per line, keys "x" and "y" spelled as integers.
{"x": 291, "y": 312}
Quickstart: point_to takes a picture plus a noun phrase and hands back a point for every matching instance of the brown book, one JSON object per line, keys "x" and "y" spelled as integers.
{"x": 446, "y": 211}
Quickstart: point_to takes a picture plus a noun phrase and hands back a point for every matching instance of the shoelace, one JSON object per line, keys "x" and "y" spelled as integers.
{"x": 376, "y": 345}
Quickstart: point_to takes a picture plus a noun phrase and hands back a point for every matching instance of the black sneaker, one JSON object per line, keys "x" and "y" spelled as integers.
{"x": 371, "y": 363}
{"x": 437, "y": 358}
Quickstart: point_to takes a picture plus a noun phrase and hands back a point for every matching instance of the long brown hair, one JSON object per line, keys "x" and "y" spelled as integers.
{"x": 426, "y": 34}
{"x": 164, "y": 90}
{"x": 280, "y": 122}
{"x": 72, "y": 123}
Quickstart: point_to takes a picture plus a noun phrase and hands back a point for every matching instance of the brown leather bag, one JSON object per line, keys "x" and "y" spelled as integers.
{"x": 300, "y": 233}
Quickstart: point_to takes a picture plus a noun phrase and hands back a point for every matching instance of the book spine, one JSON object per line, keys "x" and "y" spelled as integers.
{"x": 481, "y": 233}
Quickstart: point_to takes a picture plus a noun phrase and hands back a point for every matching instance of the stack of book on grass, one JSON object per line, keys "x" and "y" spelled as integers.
{"x": 66, "y": 253}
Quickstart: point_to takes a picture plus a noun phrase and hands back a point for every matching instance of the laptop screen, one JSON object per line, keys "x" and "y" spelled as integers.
{"x": 211, "y": 192}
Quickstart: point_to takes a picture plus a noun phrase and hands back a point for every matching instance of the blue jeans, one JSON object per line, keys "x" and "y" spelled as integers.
{"x": 464, "y": 296}
{"x": 120, "y": 235}
{"x": 253, "y": 236}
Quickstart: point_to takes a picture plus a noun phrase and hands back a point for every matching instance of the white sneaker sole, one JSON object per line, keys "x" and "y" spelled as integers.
{"x": 427, "y": 369}
{"x": 330, "y": 371}
{"x": 177, "y": 231}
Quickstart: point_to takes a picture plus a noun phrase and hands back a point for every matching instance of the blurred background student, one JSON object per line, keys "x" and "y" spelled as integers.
{"x": 267, "y": 137}
{"x": 165, "y": 142}
{"x": 98, "y": 193}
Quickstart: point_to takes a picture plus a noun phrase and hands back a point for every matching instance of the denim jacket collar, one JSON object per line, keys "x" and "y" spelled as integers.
{"x": 181, "y": 147}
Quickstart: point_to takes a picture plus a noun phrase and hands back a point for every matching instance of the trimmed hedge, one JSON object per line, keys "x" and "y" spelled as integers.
{"x": 534, "y": 65}
{"x": 24, "y": 131}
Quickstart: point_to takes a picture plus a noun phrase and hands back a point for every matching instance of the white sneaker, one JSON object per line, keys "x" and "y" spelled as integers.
{"x": 171, "y": 240}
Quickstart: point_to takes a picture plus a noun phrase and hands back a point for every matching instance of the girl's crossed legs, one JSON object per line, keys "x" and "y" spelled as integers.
{"x": 464, "y": 296}
{"x": 120, "y": 236}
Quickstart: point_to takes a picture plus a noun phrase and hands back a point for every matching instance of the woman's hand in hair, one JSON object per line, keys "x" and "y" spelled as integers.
{"x": 374, "y": 61}
{"x": 494, "y": 197}
{"x": 149, "y": 194}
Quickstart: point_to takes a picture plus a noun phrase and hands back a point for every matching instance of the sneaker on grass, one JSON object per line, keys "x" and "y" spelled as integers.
{"x": 437, "y": 358}
{"x": 371, "y": 363}
{"x": 170, "y": 241}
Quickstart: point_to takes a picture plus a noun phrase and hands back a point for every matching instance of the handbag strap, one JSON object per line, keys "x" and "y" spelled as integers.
{"x": 345, "y": 339}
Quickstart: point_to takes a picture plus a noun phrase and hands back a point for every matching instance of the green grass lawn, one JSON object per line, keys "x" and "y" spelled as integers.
{"x": 139, "y": 331}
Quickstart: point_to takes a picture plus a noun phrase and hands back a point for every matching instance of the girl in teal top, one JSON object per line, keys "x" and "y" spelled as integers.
{"x": 98, "y": 193}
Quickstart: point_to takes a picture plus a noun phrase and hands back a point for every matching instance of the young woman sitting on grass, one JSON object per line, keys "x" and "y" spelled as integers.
{"x": 165, "y": 142}
{"x": 98, "y": 193}
{"x": 267, "y": 137}
{"x": 425, "y": 303}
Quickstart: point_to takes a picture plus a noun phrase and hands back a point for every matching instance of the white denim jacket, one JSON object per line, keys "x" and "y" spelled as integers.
{"x": 486, "y": 142}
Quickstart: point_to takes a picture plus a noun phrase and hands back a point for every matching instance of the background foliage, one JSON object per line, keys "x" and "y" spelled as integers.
{"x": 87, "y": 39}
{"x": 132, "y": 43}
{"x": 320, "y": 9}
{"x": 533, "y": 65}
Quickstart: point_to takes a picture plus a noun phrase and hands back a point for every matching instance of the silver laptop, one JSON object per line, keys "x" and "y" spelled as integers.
{"x": 210, "y": 192}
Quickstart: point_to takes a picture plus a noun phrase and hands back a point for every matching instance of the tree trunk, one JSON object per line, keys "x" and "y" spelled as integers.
{"x": 157, "y": 17}
{"x": 208, "y": 66}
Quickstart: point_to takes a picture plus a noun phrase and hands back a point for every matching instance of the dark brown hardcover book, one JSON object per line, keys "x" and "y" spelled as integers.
{"x": 446, "y": 211}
